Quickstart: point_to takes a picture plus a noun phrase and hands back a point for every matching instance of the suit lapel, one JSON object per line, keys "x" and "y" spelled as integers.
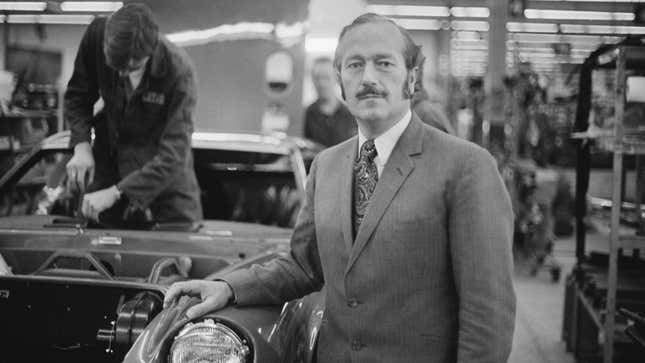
{"x": 346, "y": 184}
{"x": 396, "y": 170}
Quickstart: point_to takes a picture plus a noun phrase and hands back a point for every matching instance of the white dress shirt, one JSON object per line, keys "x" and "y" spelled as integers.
{"x": 386, "y": 141}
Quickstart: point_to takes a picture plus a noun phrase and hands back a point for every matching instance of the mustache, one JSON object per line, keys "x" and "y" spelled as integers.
{"x": 370, "y": 90}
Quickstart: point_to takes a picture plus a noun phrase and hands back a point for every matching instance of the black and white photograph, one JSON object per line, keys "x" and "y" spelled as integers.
{"x": 322, "y": 181}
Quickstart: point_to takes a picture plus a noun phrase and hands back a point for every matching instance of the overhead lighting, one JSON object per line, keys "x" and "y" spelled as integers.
{"x": 548, "y": 55}
{"x": 472, "y": 52}
{"x": 294, "y": 30}
{"x": 234, "y": 31}
{"x": 23, "y": 5}
{"x": 598, "y": 1}
{"x": 409, "y": 10}
{"x": 602, "y": 29}
{"x": 582, "y": 38}
{"x": 321, "y": 44}
{"x": 467, "y": 36}
{"x": 531, "y": 27}
{"x": 576, "y": 15}
{"x": 469, "y": 12}
{"x": 469, "y": 25}
{"x": 470, "y": 47}
{"x": 585, "y": 46}
{"x": 244, "y": 30}
{"x": 93, "y": 6}
{"x": 418, "y": 24}
{"x": 549, "y": 50}
{"x": 49, "y": 19}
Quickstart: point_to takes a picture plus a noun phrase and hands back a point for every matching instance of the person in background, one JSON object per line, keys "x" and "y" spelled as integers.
{"x": 141, "y": 158}
{"x": 427, "y": 111}
{"x": 408, "y": 229}
{"x": 327, "y": 120}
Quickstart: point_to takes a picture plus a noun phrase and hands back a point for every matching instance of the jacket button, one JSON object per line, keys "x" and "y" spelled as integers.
{"x": 352, "y": 303}
{"x": 357, "y": 345}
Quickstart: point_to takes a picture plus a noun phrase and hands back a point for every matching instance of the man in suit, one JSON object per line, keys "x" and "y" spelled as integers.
{"x": 408, "y": 228}
{"x": 141, "y": 157}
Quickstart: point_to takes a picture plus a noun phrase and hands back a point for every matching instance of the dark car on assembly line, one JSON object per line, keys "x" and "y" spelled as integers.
{"x": 72, "y": 290}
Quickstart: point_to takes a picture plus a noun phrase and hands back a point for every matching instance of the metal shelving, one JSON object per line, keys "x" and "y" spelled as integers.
{"x": 620, "y": 143}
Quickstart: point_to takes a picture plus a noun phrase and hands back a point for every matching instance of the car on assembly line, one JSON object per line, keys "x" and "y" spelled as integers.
{"x": 77, "y": 291}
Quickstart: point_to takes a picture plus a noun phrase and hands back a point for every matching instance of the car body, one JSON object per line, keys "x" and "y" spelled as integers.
{"x": 77, "y": 293}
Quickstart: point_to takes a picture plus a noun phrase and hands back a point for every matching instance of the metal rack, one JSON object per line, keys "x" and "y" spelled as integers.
{"x": 621, "y": 58}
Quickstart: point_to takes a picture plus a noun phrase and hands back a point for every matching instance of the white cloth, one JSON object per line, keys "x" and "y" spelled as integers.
{"x": 386, "y": 141}
{"x": 5, "y": 270}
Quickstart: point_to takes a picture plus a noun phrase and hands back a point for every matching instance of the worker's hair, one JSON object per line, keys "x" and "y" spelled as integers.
{"x": 130, "y": 33}
{"x": 411, "y": 51}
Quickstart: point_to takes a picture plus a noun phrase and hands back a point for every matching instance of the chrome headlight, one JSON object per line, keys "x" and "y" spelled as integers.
{"x": 208, "y": 342}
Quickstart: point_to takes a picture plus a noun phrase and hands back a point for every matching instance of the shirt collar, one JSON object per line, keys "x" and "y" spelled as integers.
{"x": 386, "y": 141}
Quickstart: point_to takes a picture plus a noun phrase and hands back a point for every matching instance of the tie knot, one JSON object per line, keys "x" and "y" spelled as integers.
{"x": 368, "y": 150}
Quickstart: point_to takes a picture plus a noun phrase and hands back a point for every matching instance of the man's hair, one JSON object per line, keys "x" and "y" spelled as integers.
{"x": 130, "y": 33}
{"x": 411, "y": 51}
{"x": 420, "y": 92}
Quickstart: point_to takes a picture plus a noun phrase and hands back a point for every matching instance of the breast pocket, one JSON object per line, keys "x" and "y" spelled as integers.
{"x": 148, "y": 120}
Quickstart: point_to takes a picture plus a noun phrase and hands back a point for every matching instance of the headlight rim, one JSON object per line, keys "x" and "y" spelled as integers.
{"x": 191, "y": 329}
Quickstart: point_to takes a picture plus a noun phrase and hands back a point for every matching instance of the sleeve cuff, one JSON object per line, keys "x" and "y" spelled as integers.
{"x": 233, "y": 300}
{"x": 241, "y": 283}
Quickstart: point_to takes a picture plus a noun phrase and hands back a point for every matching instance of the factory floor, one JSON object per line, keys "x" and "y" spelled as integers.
{"x": 538, "y": 322}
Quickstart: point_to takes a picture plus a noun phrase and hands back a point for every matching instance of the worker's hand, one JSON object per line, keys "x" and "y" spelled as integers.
{"x": 80, "y": 168}
{"x": 214, "y": 294}
{"x": 97, "y": 202}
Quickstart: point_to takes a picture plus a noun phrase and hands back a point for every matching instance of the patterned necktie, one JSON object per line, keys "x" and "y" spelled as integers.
{"x": 365, "y": 178}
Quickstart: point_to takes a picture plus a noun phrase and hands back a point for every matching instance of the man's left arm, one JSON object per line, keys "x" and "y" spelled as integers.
{"x": 144, "y": 185}
{"x": 481, "y": 230}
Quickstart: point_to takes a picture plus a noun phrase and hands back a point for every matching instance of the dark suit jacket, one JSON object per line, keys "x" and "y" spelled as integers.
{"x": 428, "y": 277}
{"x": 143, "y": 145}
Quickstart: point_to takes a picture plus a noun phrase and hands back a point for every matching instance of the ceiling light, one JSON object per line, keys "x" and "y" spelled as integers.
{"x": 579, "y": 46}
{"x": 470, "y": 47}
{"x": 469, "y": 25}
{"x": 294, "y": 30}
{"x": 23, "y": 5}
{"x": 470, "y": 12}
{"x": 576, "y": 15}
{"x": 49, "y": 19}
{"x": 223, "y": 32}
{"x": 602, "y": 29}
{"x": 418, "y": 24}
{"x": 604, "y": 1}
{"x": 320, "y": 44}
{"x": 244, "y": 30}
{"x": 409, "y": 10}
{"x": 468, "y": 36}
{"x": 548, "y": 55}
{"x": 531, "y": 27}
{"x": 97, "y": 6}
{"x": 541, "y": 38}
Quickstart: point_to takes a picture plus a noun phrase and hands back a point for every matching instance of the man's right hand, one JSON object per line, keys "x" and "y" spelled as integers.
{"x": 214, "y": 295}
{"x": 80, "y": 168}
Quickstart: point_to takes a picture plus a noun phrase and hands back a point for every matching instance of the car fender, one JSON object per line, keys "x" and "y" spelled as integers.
{"x": 277, "y": 334}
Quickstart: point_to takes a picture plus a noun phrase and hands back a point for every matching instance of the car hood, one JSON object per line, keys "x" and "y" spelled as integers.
{"x": 225, "y": 229}
{"x": 25, "y": 242}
